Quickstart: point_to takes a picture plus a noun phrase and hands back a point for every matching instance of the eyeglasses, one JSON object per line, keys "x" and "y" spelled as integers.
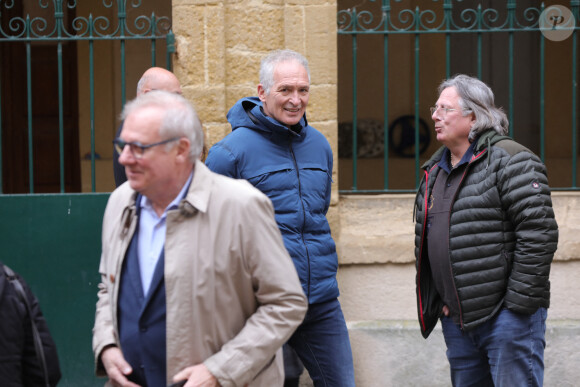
{"x": 137, "y": 149}
{"x": 445, "y": 110}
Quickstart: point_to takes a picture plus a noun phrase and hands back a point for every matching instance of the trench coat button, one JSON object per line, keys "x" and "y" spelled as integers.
{"x": 112, "y": 278}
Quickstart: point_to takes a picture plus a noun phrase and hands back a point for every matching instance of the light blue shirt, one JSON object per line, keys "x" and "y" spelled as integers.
{"x": 152, "y": 235}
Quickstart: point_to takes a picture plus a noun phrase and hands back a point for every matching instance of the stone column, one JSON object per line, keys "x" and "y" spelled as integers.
{"x": 220, "y": 44}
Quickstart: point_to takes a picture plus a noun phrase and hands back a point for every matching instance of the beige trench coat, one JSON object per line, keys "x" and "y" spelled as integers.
{"x": 233, "y": 295}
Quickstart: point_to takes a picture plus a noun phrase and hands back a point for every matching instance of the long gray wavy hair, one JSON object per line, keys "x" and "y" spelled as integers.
{"x": 476, "y": 97}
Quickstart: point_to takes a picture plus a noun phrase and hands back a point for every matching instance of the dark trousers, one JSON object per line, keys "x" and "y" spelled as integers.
{"x": 323, "y": 345}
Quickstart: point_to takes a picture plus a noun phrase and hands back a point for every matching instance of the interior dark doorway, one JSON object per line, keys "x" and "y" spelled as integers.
{"x": 42, "y": 72}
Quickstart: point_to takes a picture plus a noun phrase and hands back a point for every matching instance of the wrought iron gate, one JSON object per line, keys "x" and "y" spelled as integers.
{"x": 55, "y": 27}
{"x": 359, "y": 21}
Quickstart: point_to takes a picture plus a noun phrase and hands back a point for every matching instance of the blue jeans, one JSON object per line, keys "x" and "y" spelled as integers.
{"x": 293, "y": 367}
{"x": 506, "y": 351}
{"x": 322, "y": 343}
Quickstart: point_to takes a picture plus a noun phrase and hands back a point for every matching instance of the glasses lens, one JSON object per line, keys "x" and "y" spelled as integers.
{"x": 119, "y": 145}
{"x": 137, "y": 150}
{"x": 442, "y": 111}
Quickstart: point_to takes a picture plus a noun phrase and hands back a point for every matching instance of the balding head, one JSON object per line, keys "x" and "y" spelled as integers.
{"x": 157, "y": 78}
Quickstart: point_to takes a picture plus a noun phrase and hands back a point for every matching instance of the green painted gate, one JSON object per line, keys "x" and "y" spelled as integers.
{"x": 53, "y": 240}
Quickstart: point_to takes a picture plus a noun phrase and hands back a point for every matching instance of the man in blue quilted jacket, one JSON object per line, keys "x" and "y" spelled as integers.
{"x": 485, "y": 237}
{"x": 273, "y": 147}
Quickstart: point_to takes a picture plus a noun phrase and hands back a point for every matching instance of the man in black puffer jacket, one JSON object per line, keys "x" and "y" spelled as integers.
{"x": 19, "y": 363}
{"x": 485, "y": 237}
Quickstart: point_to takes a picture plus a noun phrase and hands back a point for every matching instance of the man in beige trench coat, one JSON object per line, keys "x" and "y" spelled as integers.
{"x": 196, "y": 283}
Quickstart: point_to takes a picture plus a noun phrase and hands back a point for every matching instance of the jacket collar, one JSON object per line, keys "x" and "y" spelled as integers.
{"x": 444, "y": 160}
{"x": 249, "y": 113}
{"x": 482, "y": 143}
{"x": 197, "y": 197}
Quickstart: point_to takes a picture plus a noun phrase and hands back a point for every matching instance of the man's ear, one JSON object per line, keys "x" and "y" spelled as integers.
{"x": 261, "y": 92}
{"x": 473, "y": 119}
{"x": 183, "y": 147}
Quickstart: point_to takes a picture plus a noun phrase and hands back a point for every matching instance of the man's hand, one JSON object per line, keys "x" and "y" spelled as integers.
{"x": 116, "y": 367}
{"x": 196, "y": 376}
{"x": 445, "y": 310}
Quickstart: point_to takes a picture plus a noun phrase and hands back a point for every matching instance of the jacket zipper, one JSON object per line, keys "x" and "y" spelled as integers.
{"x": 473, "y": 158}
{"x": 303, "y": 212}
{"x": 423, "y": 326}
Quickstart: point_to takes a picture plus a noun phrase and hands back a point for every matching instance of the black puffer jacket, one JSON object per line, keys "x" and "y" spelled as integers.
{"x": 502, "y": 235}
{"x": 19, "y": 365}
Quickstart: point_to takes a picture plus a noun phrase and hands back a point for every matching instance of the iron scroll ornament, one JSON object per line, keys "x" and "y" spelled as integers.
{"x": 402, "y": 136}
{"x": 88, "y": 27}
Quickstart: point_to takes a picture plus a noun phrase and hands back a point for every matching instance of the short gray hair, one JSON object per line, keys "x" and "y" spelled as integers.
{"x": 269, "y": 63}
{"x": 179, "y": 118}
{"x": 476, "y": 96}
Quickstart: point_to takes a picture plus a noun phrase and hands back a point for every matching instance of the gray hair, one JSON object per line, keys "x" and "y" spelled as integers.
{"x": 269, "y": 63}
{"x": 477, "y": 97}
{"x": 179, "y": 118}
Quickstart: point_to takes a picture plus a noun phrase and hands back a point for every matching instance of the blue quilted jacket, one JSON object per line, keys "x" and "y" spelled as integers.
{"x": 294, "y": 169}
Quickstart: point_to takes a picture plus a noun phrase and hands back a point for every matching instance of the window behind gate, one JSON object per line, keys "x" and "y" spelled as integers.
{"x": 393, "y": 54}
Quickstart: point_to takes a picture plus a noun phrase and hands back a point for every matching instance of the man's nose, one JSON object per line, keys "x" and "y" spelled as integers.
{"x": 295, "y": 98}
{"x": 435, "y": 116}
{"x": 126, "y": 156}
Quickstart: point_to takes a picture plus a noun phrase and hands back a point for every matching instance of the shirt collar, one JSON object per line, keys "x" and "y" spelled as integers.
{"x": 445, "y": 156}
{"x": 145, "y": 203}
